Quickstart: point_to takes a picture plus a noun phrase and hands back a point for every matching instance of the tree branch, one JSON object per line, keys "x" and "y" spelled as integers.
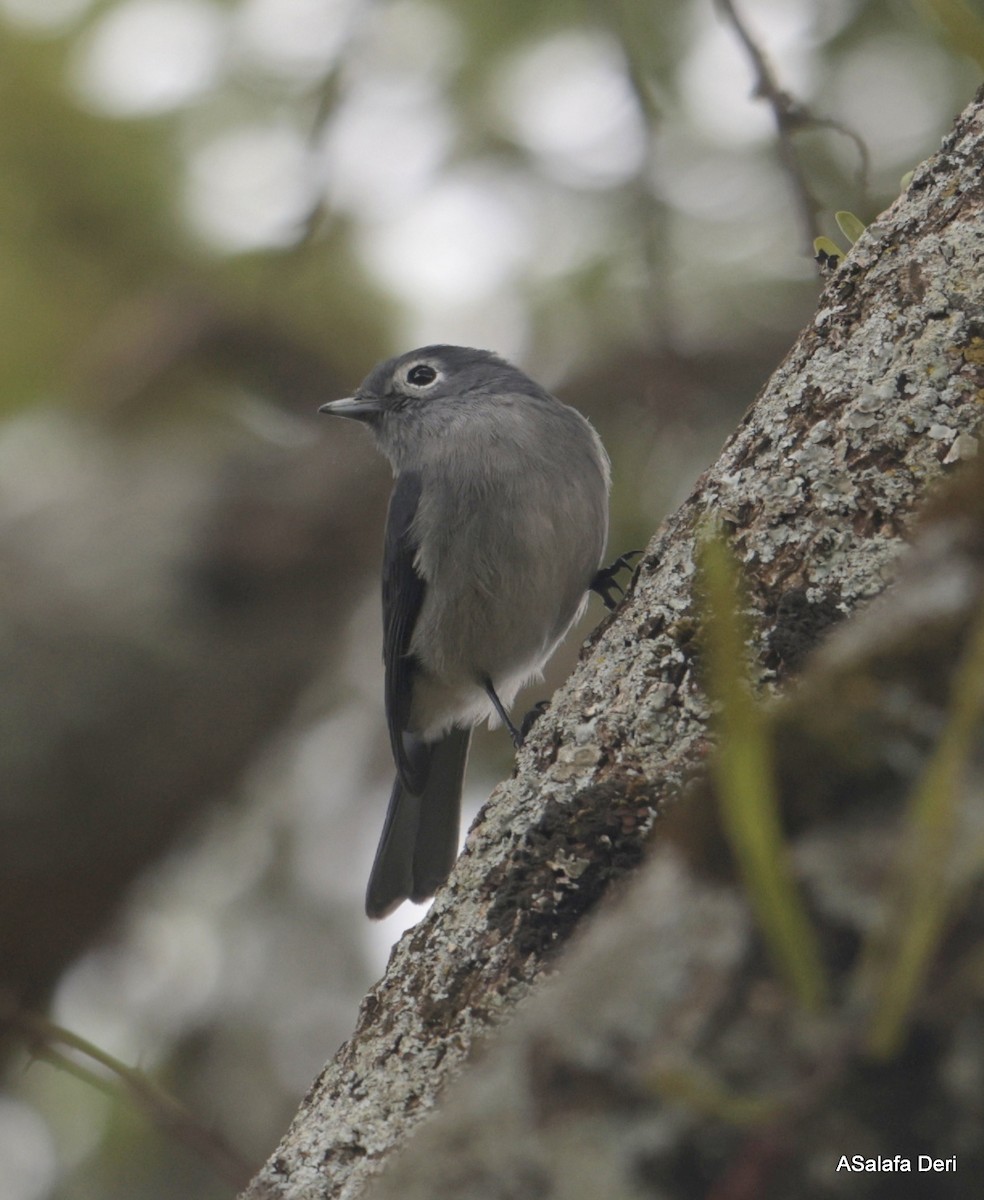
{"x": 875, "y": 402}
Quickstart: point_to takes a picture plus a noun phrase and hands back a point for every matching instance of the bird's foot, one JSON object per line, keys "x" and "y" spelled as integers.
{"x": 531, "y": 718}
{"x": 605, "y": 583}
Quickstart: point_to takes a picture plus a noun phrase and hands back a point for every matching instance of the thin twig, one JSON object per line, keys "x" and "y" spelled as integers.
{"x": 43, "y": 1038}
{"x": 791, "y": 117}
{"x": 631, "y": 31}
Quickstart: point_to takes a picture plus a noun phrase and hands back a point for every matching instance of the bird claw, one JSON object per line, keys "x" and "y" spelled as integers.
{"x": 606, "y": 582}
{"x": 531, "y": 718}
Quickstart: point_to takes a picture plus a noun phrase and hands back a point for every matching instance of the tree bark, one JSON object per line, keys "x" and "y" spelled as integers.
{"x": 878, "y": 400}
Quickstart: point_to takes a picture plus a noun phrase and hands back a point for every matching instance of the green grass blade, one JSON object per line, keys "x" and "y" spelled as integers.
{"x": 918, "y": 896}
{"x": 744, "y": 776}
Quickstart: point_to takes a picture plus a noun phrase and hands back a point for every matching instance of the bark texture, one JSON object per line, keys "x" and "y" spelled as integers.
{"x": 878, "y": 400}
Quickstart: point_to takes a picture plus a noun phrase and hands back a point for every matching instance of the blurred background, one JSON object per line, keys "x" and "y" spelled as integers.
{"x": 214, "y": 216}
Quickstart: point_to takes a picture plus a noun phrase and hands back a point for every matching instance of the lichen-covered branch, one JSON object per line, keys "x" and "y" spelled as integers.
{"x": 665, "y": 1058}
{"x": 878, "y": 400}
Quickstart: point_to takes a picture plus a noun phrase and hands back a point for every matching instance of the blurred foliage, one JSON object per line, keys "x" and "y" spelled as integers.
{"x": 923, "y": 891}
{"x": 95, "y": 209}
{"x": 85, "y": 219}
{"x": 964, "y": 27}
{"x": 212, "y": 211}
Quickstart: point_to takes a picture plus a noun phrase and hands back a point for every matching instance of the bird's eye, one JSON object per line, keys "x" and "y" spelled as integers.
{"x": 421, "y": 375}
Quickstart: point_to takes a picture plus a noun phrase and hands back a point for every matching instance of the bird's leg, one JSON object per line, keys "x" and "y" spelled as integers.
{"x": 606, "y": 582}
{"x": 514, "y": 733}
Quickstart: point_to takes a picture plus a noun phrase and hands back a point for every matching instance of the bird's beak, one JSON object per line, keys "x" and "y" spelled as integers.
{"x": 360, "y": 408}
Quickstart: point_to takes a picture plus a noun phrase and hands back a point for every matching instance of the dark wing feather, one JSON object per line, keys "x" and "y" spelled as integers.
{"x": 403, "y": 595}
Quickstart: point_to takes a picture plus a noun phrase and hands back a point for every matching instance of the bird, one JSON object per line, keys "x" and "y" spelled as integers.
{"x": 495, "y": 533}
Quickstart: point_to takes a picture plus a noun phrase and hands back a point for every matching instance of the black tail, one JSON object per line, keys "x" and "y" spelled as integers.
{"x": 419, "y": 842}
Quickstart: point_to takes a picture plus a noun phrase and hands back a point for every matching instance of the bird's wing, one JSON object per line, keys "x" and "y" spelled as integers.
{"x": 403, "y": 595}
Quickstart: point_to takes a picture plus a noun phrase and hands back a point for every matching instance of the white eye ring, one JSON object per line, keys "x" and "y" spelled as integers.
{"x": 427, "y": 375}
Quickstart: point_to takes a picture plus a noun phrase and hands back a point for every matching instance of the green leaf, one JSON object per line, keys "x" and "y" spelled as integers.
{"x": 850, "y": 226}
{"x": 824, "y": 247}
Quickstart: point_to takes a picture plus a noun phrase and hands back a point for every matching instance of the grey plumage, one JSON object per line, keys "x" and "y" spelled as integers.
{"x": 496, "y": 529}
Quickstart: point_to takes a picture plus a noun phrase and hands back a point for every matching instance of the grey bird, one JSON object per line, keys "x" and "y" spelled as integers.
{"x": 495, "y": 533}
